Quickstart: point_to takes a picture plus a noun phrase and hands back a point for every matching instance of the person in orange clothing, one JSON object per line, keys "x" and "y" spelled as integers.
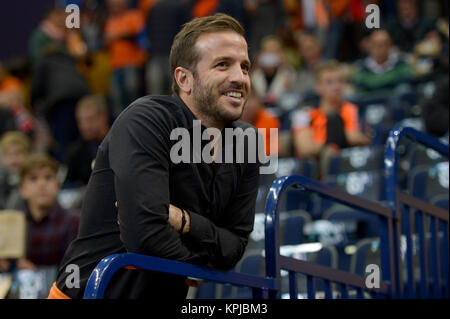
{"x": 8, "y": 82}
{"x": 331, "y": 126}
{"x": 126, "y": 57}
{"x": 256, "y": 114}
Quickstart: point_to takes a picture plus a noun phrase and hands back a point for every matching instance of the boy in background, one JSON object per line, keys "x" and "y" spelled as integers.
{"x": 333, "y": 124}
{"x": 50, "y": 228}
{"x": 15, "y": 147}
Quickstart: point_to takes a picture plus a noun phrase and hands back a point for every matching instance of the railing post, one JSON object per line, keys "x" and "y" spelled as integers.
{"x": 391, "y": 175}
{"x": 271, "y": 224}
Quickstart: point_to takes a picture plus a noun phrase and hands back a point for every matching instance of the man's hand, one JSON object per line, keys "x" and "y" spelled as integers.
{"x": 175, "y": 219}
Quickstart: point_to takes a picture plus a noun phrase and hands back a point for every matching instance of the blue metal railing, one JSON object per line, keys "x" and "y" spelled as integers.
{"x": 103, "y": 272}
{"x": 269, "y": 286}
{"x": 275, "y": 262}
{"x": 401, "y": 203}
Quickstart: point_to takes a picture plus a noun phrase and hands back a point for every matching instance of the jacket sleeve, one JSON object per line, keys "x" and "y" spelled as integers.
{"x": 225, "y": 244}
{"x": 139, "y": 156}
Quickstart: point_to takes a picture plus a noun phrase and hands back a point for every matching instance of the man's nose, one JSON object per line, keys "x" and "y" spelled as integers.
{"x": 237, "y": 75}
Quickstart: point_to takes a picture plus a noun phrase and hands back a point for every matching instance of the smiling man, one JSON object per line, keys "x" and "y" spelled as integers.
{"x": 192, "y": 212}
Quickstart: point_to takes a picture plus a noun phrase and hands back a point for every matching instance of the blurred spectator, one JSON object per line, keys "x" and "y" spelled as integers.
{"x": 266, "y": 17}
{"x": 126, "y": 57}
{"x": 331, "y": 126}
{"x": 311, "y": 55}
{"x": 50, "y": 228}
{"x": 51, "y": 30}
{"x": 8, "y": 84}
{"x": 12, "y": 100}
{"x": 93, "y": 123}
{"x": 163, "y": 23}
{"x": 271, "y": 78}
{"x": 7, "y": 122}
{"x": 203, "y": 8}
{"x": 56, "y": 87}
{"x": 15, "y": 147}
{"x": 435, "y": 112}
{"x": 409, "y": 27}
{"x": 234, "y": 8}
{"x": 383, "y": 71}
{"x": 257, "y": 115}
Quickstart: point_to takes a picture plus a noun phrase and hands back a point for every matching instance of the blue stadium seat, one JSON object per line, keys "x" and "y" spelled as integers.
{"x": 355, "y": 159}
{"x": 293, "y": 227}
{"x": 296, "y": 199}
{"x": 425, "y": 182}
{"x": 440, "y": 200}
{"x": 354, "y": 225}
{"x": 366, "y": 184}
{"x": 367, "y": 252}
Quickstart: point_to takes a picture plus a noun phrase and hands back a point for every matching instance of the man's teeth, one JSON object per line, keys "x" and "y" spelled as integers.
{"x": 234, "y": 94}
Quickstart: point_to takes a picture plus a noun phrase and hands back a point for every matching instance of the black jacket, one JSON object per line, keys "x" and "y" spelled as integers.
{"x": 133, "y": 166}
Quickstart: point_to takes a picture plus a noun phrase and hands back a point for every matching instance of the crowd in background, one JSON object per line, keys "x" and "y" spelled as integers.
{"x": 318, "y": 74}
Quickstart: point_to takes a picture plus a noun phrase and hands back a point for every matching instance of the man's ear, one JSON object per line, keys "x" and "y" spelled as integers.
{"x": 185, "y": 79}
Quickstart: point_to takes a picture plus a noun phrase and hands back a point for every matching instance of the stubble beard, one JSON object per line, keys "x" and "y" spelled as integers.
{"x": 207, "y": 104}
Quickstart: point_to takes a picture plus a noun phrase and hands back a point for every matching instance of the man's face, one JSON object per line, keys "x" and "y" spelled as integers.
{"x": 330, "y": 85}
{"x": 221, "y": 81}
{"x": 309, "y": 48}
{"x": 91, "y": 123}
{"x": 40, "y": 187}
{"x": 13, "y": 156}
{"x": 407, "y": 9}
{"x": 380, "y": 46}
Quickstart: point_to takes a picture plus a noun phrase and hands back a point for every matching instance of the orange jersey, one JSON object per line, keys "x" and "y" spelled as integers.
{"x": 123, "y": 52}
{"x": 265, "y": 119}
{"x": 316, "y": 120}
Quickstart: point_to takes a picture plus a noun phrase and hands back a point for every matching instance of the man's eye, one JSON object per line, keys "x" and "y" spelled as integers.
{"x": 221, "y": 64}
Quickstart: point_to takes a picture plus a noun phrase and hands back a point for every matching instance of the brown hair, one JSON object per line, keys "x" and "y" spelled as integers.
{"x": 331, "y": 65}
{"x": 96, "y": 102}
{"x": 183, "y": 52}
{"x": 37, "y": 161}
{"x": 15, "y": 138}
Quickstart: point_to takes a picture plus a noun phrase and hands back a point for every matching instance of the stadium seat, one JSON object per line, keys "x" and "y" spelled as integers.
{"x": 354, "y": 225}
{"x": 440, "y": 200}
{"x": 355, "y": 159}
{"x": 367, "y": 252}
{"x": 291, "y": 229}
{"x": 366, "y": 184}
{"x": 425, "y": 182}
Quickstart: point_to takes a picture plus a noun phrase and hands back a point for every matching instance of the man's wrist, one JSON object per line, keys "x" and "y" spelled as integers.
{"x": 187, "y": 225}
{"x": 183, "y": 221}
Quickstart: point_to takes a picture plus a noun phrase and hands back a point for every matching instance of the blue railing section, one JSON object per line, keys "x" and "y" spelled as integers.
{"x": 413, "y": 213}
{"x": 269, "y": 286}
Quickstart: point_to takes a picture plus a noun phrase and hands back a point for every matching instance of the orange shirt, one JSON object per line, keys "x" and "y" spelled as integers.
{"x": 265, "y": 119}
{"x": 316, "y": 120}
{"x": 204, "y": 8}
{"x": 122, "y": 52}
{"x": 10, "y": 83}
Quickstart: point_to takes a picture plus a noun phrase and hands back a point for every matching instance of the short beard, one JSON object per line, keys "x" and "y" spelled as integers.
{"x": 206, "y": 101}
